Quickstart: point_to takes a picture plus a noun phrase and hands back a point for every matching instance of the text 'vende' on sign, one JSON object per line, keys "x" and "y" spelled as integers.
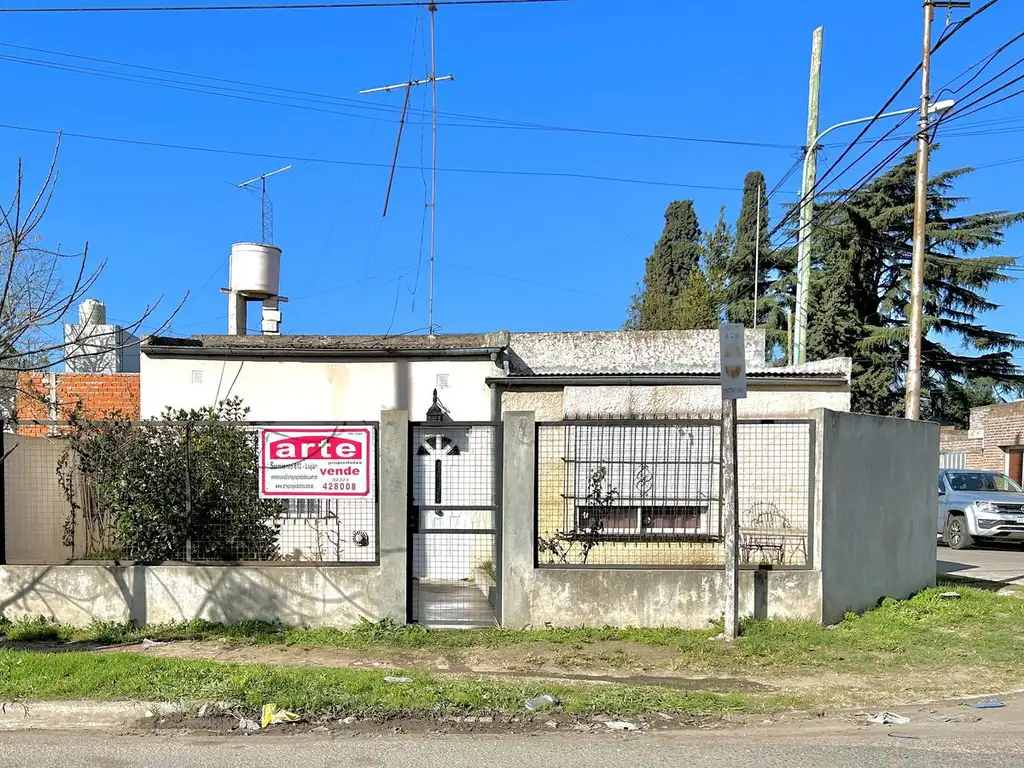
{"x": 315, "y": 463}
{"x": 734, "y": 362}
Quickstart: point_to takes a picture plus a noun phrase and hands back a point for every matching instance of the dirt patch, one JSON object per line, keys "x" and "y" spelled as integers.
{"x": 606, "y": 662}
{"x": 336, "y": 724}
{"x": 640, "y": 664}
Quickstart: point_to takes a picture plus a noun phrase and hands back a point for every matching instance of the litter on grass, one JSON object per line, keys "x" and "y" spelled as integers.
{"x": 949, "y": 596}
{"x": 993, "y": 704}
{"x": 888, "y": 718}
{"x": 273, "y": 714}
{"x": 403, "y": 680}
{"x": 619, "y": 725}
{"x": 542, "y": 702}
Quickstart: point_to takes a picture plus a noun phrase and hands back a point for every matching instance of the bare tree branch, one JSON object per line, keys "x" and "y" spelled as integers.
{"x": 40, "y": 287}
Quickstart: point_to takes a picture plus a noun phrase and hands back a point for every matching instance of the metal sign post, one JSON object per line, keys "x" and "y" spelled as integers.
{"x": 734, "y": 387}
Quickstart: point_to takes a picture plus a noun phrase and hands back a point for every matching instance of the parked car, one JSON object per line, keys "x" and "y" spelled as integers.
{"x": 978, "y": 505}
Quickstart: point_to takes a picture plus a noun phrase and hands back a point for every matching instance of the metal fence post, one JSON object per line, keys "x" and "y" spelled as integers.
{"x": 188, "y": 493}
{"x": 734, "y": 387}
{"x": 730, "y": 500}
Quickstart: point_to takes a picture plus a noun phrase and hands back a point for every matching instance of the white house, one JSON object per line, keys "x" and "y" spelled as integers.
{"x": 477, "y": 376}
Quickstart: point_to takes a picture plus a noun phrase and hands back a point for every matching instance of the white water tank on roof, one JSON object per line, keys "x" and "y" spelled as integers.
{"x": 255, "y": 270}
{"x": 92, "y": 312}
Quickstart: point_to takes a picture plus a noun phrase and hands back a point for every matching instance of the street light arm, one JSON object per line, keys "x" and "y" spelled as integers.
{"x": 860, "y": 120}
{"x": 936, "y": 108}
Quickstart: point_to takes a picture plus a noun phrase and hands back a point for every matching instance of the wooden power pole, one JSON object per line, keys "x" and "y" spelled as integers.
{"x": 913, "y": 382}
{"x": 803, "y": 259}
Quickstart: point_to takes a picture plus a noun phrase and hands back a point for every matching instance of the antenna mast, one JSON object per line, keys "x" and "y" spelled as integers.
{"x": 267, "y": 207}
{"x": 432, "y": 8}
{"x": 432, "y": 80}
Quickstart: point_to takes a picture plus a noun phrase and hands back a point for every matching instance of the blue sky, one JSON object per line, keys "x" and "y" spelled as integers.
{"x": 513, "y": 251}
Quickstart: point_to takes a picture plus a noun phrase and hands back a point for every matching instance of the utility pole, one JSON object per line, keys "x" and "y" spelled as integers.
{"x": 757, "y": 252}
{"x": 789, "y": 335}
{"x": 803, "y": 260}
{"x": 913, "y": 383}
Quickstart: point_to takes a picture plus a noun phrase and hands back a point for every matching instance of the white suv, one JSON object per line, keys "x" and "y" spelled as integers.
{"x": 978, "y": 505}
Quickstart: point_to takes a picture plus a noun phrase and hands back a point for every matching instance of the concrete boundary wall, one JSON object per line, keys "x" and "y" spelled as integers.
{"x": 875, "y": 515}
{"x": 874, "y": 537}
{"x": 310, "y": 595}
{"x": 879, "y": 509}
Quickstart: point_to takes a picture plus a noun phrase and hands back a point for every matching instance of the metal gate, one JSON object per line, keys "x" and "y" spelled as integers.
{"x": 952, "y": 461}
{"x": 454, "y": 524}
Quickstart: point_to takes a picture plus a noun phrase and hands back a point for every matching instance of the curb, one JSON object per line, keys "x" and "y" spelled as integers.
{"x": 114, "y": 715}
{"x": 78, "y": 715}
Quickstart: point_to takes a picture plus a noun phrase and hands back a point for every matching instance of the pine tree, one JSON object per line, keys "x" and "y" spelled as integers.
{"x": 864, "y": 292}
{"x": 675, "y": 256}
{"x": 716, "y": 248}
{"x": 952, "y": 405}
{"x": 739, "y": 292}
{"x": 696, "y": 306}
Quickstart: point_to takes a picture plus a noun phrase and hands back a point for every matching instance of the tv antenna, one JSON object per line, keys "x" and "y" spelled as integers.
{"x": 432, "y": 80}
{"x": 267, "y": 207}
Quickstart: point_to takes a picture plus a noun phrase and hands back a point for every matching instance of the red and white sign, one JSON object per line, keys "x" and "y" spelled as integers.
{"x": 315, "y": 463}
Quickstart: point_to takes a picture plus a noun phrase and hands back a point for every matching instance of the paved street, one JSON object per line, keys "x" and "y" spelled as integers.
{"x": 996, "y": 741}
{"x": 995, "y": 562}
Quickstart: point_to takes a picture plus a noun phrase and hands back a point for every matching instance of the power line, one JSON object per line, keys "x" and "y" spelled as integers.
{"x": 988, "y": 59}
{"x": 528, "y": 281}
{"x": 998, "y": 163}
{"x": 310, "y": 97}
{"x": 846, "y": 194}
{"x": 364, "y": 164}
{"x": 973, "y": 108}
{"x": 266, "y": 7}
{"x": 946, "y": 36}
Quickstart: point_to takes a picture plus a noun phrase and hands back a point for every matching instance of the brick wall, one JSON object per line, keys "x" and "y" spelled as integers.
{"x": 94, "y": 395}
{"x": 994, "y": 428}
{"x": 957, "y": 441}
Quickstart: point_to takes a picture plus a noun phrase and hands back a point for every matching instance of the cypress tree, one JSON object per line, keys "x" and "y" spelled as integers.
{"x": 668, "y": 269}
{"x": 863, "y": 295}
{"x": 696, "y": 305}
{"x": 739, "y": 293}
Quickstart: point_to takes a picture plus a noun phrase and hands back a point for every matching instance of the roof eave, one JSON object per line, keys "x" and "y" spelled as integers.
{"x": 291, "y": 353}
{"x": 755, "y": 381}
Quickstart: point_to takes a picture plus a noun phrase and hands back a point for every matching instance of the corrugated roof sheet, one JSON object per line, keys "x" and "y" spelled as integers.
{"x": 761, "y": 373}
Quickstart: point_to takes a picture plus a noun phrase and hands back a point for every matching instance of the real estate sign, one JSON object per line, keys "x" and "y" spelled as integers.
{"x": 315, "y": 463}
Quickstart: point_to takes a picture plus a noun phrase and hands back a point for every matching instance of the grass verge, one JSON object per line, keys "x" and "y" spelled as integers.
{"x": 924, "y": 647}
{"x": 31, "y": 675}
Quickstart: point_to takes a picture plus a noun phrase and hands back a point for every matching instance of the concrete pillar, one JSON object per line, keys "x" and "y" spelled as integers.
{"x": 237, "y": 318}
{"x": 518, "y": 539}
{"x": 393, "y": 479}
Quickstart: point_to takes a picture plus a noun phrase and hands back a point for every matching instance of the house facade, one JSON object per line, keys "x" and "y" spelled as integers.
{"x": 993, "y": 441}
{"x": 512, "y": 479}
{"x": 477, "y": 377}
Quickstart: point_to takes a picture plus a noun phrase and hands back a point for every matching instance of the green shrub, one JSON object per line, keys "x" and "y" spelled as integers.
{"x": 128, "y": 487}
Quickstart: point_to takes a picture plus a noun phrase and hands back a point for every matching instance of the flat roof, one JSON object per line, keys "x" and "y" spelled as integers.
{"x": 398, "y": 341}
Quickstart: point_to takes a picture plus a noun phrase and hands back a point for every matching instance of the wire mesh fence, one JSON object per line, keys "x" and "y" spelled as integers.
{"x": 194, "y": 492}
{"x": 648, "y": 493}
{"x": 454, "y": 523}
